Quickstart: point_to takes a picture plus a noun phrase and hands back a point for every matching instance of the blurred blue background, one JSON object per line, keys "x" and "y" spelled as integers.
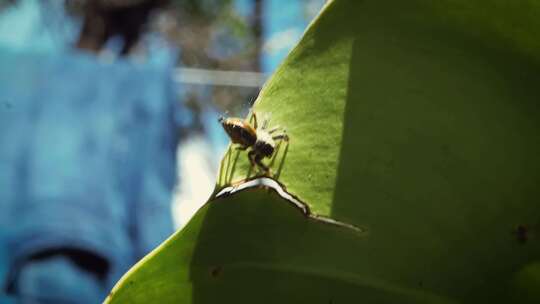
{"x": 108, "y": 133}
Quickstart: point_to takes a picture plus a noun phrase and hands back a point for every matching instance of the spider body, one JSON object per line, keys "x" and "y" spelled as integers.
{"x": 261, "y": 141}
{"x": 240, "y": 131}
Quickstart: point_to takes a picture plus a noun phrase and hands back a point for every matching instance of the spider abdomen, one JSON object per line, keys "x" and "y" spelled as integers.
{"x": 239, "y": 131}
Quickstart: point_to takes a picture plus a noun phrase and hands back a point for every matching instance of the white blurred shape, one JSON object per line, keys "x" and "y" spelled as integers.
{"x": 283, "y": 40}
{"x": 198, "y": 165}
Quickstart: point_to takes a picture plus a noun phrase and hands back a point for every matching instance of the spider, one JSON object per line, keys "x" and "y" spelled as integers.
{"x": 261, "y": 140}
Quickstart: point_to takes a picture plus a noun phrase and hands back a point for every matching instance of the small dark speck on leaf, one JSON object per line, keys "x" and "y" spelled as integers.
{"x": 8, "y": 105}
{"x": 522, "y": 233}
{"x": 445, "y": 148}
{"x": 216, "y": 271}
{"x": 421, "y": 284}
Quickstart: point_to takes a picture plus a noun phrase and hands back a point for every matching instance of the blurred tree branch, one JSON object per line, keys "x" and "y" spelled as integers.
{"x": 104, "y": 19}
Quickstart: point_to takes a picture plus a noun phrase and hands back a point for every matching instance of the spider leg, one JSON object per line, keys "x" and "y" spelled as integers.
{"x": 227, "y": 157}
{"x": 254, "y": 117}
{"x": 283, "y": 136}
{"x": 276, "y": 128}
{"x": 241, "y": 148}
{"x": 258, "y": 160}
{"x": 265, "y": 124}
{"x": 251, "y": 155}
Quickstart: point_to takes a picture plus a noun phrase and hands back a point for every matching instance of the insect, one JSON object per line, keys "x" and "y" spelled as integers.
{"x": 261, "y": 141}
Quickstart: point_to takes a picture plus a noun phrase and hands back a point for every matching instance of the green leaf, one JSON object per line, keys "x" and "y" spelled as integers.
{"x": 411, "y": 174}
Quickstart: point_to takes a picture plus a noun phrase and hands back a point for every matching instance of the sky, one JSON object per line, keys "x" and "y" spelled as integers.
{"x": 283, "y": 26}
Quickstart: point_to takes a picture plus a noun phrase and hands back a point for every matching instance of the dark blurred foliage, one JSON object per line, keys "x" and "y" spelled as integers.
{"x": 203, "y": 26}
{"x": 105, "y": 19}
